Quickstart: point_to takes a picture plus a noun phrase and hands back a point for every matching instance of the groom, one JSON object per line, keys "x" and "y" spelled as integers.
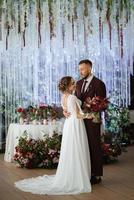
{"x": 90, "y": 86}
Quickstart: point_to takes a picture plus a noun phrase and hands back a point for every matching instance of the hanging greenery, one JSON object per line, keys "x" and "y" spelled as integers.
{"x": 39, "y": 14}
{"x": 51, "y": 18}
{"x": 122, "y": 6}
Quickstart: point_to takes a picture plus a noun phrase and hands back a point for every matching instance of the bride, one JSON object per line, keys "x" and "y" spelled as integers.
{"x": 74, "y": 171}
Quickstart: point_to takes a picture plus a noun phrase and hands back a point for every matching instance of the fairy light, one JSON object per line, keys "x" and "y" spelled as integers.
{"x": 55, "y": 58}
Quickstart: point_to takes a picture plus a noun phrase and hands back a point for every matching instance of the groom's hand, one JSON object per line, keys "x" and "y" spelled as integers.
{"x": 66, "y": 114}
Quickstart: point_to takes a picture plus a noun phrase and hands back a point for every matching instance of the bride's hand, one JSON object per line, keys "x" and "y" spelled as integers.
{"x": 66, "y": 114}
{"x": 90, "y": 116}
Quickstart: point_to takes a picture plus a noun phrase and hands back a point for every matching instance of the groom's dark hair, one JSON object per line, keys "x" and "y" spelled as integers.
{"x": 86, "y": 61}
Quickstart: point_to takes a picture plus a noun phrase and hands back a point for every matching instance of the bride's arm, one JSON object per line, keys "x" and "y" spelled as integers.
{"x": 76, "y": 110}
{"x": 79, "y": 115}
{"x": 83, "y": 115}
{"x": 66, "y": 113}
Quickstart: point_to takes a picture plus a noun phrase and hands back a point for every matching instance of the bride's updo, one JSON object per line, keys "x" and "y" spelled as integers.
{"x": 64, "y": 83}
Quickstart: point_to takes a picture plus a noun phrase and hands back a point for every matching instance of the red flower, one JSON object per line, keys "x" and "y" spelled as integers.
{"x": 96, "y": 104}
{"x": 106, "y": 148}
{"x": 20, "y": 110}
{"x": 16, "y": 156}
{"x": 17, "y": 149}
{"x": 42, "y": 106}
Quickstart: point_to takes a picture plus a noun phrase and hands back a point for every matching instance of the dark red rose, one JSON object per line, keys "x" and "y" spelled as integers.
{"x": 96, "y": 104}
{"x": 106, "y": 148}
{"x": 20, "y": 109}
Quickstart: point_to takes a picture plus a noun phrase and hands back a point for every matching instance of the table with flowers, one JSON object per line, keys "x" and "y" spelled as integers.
{"x": 35, "y": 131}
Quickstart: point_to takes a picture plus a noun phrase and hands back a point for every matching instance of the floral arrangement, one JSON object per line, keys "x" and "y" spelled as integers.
{"x": 31, "y": 153}
{"x": 116, "y": 118}
{"x": 112, "y": 119}
{"x": 111, "y": 152}
{"x": 125, "y": 119}
{"x": 38, "y": 113}
{"x": 116, "y": 136}
{"x": 111, "y": 147}
{"x": 96, "y": 105}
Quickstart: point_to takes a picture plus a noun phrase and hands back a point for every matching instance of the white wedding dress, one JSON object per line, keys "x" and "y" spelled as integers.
{"x": 74, "y": 172}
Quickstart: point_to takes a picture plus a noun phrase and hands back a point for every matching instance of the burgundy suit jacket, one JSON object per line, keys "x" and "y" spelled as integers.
{"x": 95, "y": 88}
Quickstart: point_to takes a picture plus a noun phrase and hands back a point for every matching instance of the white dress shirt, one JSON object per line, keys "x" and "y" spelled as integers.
{"x": 88, "y": 79}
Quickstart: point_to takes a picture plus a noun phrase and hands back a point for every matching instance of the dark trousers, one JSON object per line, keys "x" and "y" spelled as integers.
{"x": 94, "y": 139}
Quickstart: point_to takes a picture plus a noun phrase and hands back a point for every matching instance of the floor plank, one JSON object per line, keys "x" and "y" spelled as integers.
{"x": 117, "y": 184}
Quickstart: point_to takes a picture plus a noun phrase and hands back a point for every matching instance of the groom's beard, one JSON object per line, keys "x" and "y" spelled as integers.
{"x": 85, "y": 77}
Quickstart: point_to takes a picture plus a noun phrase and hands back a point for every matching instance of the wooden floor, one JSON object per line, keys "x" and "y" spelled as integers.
{"x": 118, "y": 181}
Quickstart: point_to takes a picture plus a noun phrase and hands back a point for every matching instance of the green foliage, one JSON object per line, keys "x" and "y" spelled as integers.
{"x": 116, "y": 118}
{"x": 31, "y": 153}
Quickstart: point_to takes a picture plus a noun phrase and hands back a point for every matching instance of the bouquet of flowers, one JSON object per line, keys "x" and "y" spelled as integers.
{"x": 95, "y": 106}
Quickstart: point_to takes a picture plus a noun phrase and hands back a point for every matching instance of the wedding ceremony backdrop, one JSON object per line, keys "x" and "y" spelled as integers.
{"x": 43, "y": 40}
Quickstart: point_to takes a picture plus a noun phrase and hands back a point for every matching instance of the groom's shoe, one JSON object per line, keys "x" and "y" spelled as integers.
{"x": 94, "y": 180}
{"x": 99, "y": 180}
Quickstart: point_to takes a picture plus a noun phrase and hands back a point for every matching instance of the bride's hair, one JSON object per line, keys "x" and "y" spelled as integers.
{"x": 64, "y": 83}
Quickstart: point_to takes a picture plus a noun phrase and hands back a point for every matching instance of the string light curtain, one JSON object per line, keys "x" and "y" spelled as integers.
{"x": 43, "y": 40}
